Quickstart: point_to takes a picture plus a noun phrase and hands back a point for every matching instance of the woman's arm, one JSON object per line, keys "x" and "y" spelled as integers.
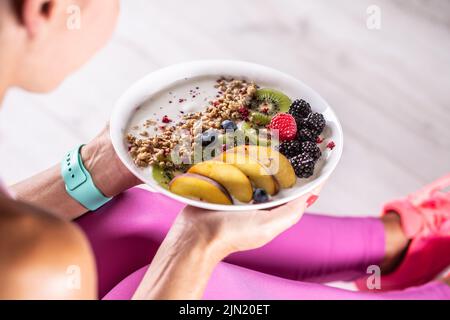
{"x": 47, "y": 189}
{"x": 200, "y": 239}
{"x": 181, "y": 268}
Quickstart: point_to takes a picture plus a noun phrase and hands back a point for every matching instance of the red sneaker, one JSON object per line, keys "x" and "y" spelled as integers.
{"x": 425, "y": 219}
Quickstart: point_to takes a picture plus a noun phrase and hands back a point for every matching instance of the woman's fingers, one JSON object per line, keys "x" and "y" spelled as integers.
{"x": 317, "y": 190}
{"x": 260, "y": 226}
{"x": 286, "y": 216}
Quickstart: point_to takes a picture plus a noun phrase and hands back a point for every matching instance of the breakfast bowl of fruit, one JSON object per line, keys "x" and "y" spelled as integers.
{"x": 226, "y": 135}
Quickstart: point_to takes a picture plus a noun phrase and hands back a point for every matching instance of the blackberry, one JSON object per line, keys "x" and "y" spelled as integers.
{"x": 315, "y": 122}
{"x": 290, "y": 149}
{"x": 303, "y": 165}
{"x": 312, "y": 149}
{"x": 306, "y": 135}
{"x": 300, "y": 109}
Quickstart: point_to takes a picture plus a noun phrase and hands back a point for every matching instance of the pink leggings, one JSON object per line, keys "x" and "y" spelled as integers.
{"x": 126, "y": 233}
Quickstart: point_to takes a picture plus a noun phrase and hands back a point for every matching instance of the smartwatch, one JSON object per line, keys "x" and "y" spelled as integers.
{"x": 79, "y": 183}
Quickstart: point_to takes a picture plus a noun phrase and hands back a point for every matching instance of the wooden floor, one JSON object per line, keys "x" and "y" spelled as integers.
{"x": 390, "y": 87}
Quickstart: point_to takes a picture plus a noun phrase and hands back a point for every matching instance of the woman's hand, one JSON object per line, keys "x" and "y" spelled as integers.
{"x": 200, "y": 239}
{"x": 107, "y": 170}
{"x": 229, "y": 232}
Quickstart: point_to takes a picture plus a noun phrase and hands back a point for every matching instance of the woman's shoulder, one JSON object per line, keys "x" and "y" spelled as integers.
{"x": 42, "y": 256}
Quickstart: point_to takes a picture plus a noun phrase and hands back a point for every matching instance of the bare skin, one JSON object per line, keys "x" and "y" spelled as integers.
{"x": 396, "y": 242}
{"x": 199, "y": 239}
{"x": 48, "y": 259}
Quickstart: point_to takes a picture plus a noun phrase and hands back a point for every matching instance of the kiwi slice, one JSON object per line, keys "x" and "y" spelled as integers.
{"x": 162, "y": 177}
{"x": 260, "y": 119}
{"x": 271, "y": 102}
{"x": 246, "y": 126}
{"x": 253, "y": 135}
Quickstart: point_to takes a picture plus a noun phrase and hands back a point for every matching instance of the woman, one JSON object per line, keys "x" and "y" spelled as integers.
{"x": 268, "y": 254}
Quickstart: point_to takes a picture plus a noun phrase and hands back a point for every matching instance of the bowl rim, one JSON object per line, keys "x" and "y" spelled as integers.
{"x": 117, "y": 135}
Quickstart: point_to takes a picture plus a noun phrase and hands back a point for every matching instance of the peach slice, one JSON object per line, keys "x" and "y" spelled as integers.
{"x": 254, "y": 170}
{"x": 236, "y": 183}
{"x": 277, "y": 163}
{"x": 197, "y": 187}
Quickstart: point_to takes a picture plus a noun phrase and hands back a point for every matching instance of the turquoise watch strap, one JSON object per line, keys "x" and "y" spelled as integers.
{"x": 79, "y": 183}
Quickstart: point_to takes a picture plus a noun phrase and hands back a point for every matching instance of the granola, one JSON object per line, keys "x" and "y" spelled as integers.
{"x": 234, "y": 96}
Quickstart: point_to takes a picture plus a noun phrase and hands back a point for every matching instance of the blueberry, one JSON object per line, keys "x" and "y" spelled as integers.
{"x": 209, "y": 137}
{"x": 260, "y": 196}
{"x": 229, "y": 125}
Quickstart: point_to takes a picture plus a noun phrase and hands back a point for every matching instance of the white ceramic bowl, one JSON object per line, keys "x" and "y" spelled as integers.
{"x": 161, "y": 80}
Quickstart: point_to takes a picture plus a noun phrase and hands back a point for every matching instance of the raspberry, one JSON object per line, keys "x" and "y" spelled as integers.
{"x": 300, "y": 109}
{"x": 312, "y": 149}
{"x": 166, "y": 119}
{"x": 331, "y": 145}
{"x": 286, "y": 126}
{"x": 303, "y": 165}
{"x": 290, "y": 149}
{"x": 244, "y": 112}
